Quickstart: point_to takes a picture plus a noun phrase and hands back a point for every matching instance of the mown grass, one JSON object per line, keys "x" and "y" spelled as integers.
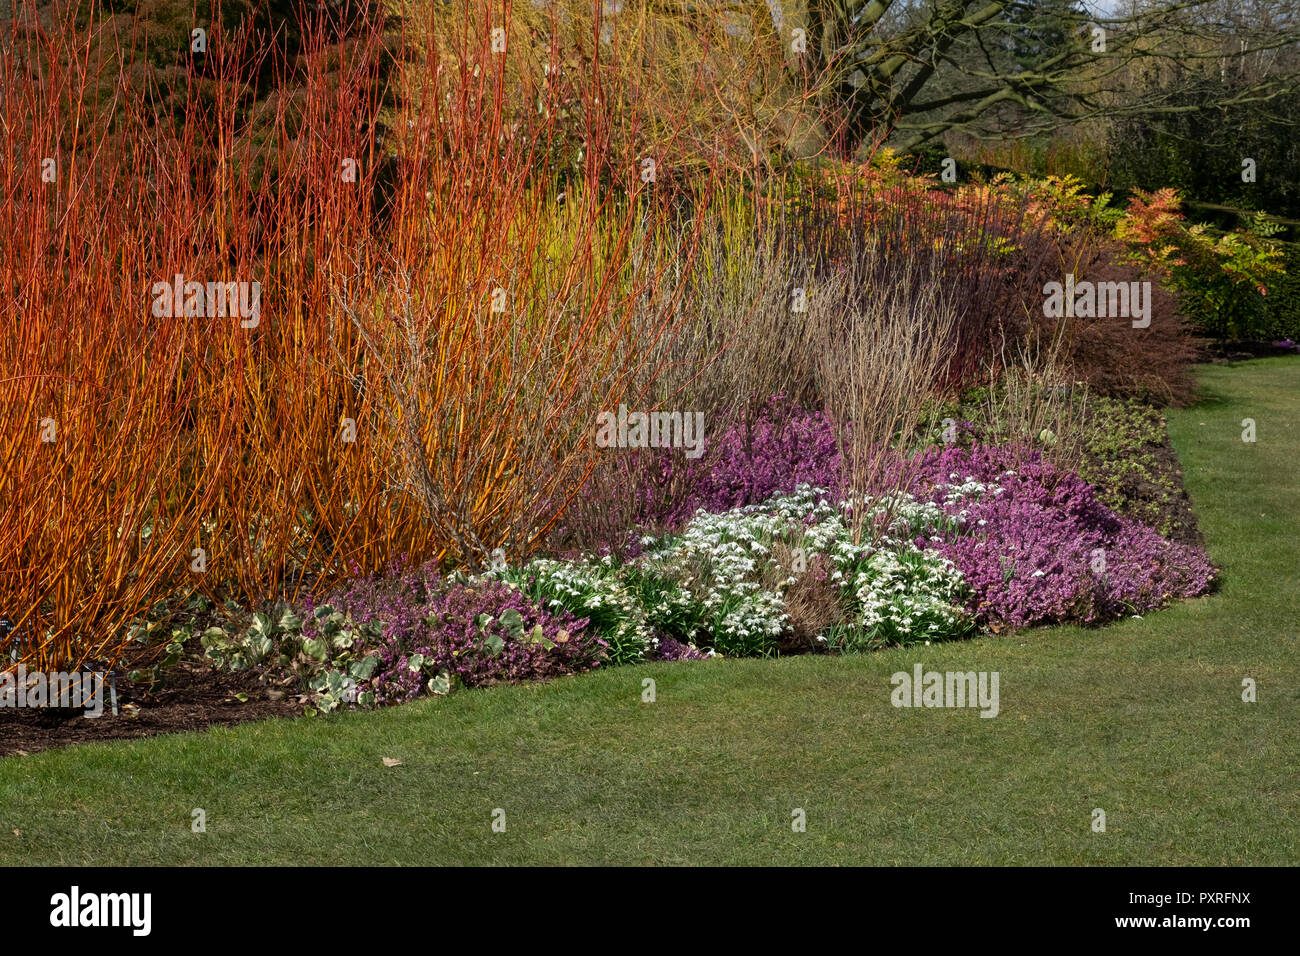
{"x": 1143, "y": 719}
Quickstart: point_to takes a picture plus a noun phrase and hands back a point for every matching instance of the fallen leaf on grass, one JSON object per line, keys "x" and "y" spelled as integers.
{"x": 391, "y": 761}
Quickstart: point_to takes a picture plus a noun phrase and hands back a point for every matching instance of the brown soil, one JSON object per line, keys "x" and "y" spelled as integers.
{"x": 1183, "y": 526}
{"x": 1143, "y": 494}
{"x": 193, "y": 697}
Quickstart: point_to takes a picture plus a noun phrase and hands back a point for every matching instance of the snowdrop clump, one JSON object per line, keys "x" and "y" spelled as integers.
{"x": 892, "y": 590}
{"x": 906, "y": 596}
{"x": 721, "y": 559}
{"x": 719, "y": 583}
{"x": 593, "y": 588}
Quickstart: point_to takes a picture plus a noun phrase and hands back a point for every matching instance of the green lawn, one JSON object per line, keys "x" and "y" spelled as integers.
{"x": 1143, "y": 719}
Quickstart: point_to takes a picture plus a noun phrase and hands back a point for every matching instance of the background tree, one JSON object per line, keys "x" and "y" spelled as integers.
{"x": 918, "y": 69}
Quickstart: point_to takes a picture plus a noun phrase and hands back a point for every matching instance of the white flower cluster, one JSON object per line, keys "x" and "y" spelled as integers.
{"x": 968, "y": 490}
{"x": 956, "y": 493}
{"x": 898, "y": 518}
{"x": 720, "y": 558}
{"x": 900, "y": 591}
{"x": 592, "y": 588}
{"x": 908, "y": 595}
{"x": 718, "y": 582}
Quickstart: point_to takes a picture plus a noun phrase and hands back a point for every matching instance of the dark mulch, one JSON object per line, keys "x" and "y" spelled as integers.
{"x": 1224, "y": 353}
{"x": 1178, "y": 507}
{"x": 192, "y": 697}
{"x": 1157, "y": 490}
{"x": 1144, "y": 494}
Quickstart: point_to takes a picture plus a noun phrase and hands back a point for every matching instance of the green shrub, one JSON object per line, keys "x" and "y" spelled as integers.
{"x": 1281, "y": 312}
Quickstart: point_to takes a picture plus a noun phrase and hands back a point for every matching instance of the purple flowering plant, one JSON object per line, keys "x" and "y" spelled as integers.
{"x": 466, "y": 632}
{"x": 1042, "y": 548}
